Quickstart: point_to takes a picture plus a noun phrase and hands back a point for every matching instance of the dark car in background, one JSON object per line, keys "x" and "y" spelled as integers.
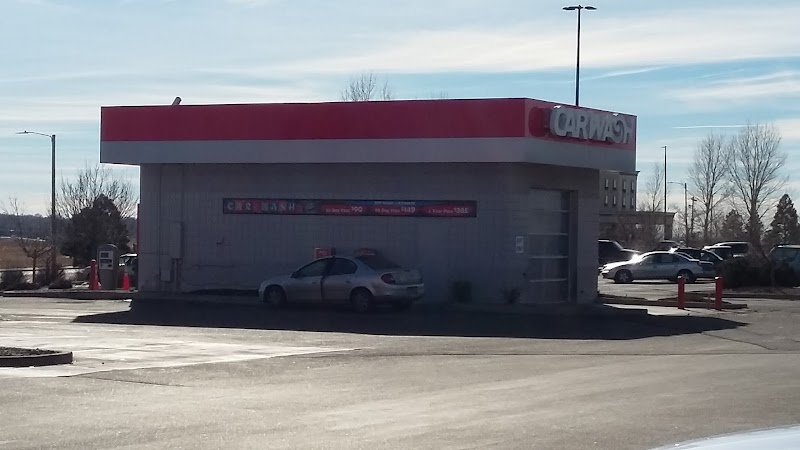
{"x": 787, "y": 254}
{"x": 609, "y": 251}
{"x": 698, "y": 254}
{"x": 723, "y": 251}
{"x": 738, "y": 248}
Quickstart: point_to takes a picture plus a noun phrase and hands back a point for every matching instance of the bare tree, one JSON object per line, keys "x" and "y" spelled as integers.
{"x": 33, "y": 247}
{"x": 653, "y": 194}
{"x": 91, "y": 183}
{"x": 755, "y": 171}
{"x": 651, "y": 199}
{"x": 708, "y": 176}
{"x": 367, "y": 87}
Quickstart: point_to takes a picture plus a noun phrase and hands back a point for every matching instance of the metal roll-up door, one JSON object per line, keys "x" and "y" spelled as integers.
{"x": 548, "y": 247}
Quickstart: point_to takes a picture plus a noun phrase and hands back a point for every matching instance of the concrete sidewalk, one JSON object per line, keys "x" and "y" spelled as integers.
{"x": 75, "y": 294}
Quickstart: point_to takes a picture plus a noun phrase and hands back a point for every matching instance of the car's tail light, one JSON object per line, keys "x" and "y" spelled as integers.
{"x": 388, "y": 278}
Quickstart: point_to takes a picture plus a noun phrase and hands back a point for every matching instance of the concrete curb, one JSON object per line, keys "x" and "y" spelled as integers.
{"x": 49, "y": 359}
{"x": 82, "y": 294}
{"x": 755, "y": 295}
{"x": 669, "y": 302}
{"x": 589, "y": 310}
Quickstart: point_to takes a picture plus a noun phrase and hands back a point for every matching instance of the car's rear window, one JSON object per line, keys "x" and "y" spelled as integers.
{"x": 784, "y": 253}
{"x": 377, "y": 262}
{"x": 739, "y": 248}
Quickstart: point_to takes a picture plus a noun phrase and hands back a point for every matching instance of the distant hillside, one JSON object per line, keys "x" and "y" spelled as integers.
{"x": 33, "y": 226}
{"x": 36, "y": 226}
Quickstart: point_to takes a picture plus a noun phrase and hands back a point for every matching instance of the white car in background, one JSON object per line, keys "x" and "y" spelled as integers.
{"x": 658, "y": 266}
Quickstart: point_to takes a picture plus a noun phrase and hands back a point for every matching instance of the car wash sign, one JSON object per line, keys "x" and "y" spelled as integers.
{"x": 590, "y": 125}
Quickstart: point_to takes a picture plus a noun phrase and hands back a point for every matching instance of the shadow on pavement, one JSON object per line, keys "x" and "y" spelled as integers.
{"x": 421, "y": 322}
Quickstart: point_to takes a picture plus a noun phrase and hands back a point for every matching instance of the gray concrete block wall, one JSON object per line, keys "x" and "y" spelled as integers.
{"x": 238, "y": 251}
{"x": 149, "y": 225}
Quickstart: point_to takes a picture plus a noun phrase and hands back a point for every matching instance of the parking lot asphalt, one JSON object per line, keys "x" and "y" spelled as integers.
{"x": 245, "y": 377}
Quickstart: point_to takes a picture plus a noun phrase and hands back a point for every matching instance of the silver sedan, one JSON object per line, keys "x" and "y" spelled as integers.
{"x": 363, "y": 282}
{"x": 658, "y": 266}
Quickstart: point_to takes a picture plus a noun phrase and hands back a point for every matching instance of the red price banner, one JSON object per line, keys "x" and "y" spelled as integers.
{"x": 329, "y": 207}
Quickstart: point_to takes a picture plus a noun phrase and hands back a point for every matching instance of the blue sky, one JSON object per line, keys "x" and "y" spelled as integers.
{"x": 679, "y": 66}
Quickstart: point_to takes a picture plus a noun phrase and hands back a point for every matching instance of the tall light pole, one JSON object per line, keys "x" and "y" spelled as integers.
{"x": 692, "y": 227}
{"x": 665, "y": 191}
{"x": 685, "y": 208}
{"x": 578, "y": 8}
{"x": 53, "y": 249}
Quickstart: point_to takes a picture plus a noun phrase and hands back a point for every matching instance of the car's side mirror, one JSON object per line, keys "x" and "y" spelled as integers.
{"x": 295, "y": 274}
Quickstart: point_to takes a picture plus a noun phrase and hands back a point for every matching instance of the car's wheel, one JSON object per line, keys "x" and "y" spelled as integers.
{"x": 275, "y": 297}
{"x": 361, "y": 300}
{"x": 623, "y": 277}
{"x": 687, "y": 275}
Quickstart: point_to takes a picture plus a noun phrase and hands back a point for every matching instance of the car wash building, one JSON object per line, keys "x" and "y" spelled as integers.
{"x": 500, "y": 193}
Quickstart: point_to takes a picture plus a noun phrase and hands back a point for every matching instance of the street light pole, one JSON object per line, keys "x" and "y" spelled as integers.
{"x": 692, "y": 227}
{"x": 665, "y": 191}
{"x": 686, "y": 213}
{"x": 578, "y": 8}
{"x": 53, "y": 216}
{"x": 53, "y": 248}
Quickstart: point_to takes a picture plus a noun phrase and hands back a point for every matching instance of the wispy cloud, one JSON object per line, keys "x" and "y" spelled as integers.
{"x": 790, "y": 130}
{"x": 252, "y": 3}
{"x": 623, "y": 73}
{"x": 702, "y": 36}
{"x": 692, "y": 127}
{"x": 782, "y": 84}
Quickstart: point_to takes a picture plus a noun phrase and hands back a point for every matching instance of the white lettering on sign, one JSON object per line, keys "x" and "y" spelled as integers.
{"x": 590, "y": 125}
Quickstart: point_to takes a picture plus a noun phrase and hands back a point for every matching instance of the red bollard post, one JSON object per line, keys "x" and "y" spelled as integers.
{"x": 126, "y": 282}
{"x": 681, "y": 293}
{"x": 94, "y": 282}
{"x": 718, "y": 293}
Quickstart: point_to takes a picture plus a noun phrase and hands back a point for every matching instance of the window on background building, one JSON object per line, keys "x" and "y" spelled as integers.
{"x": 605, "y": 203}
{"x": 615, "y": 183}
{"x": 624, "y": 186}
{"x": 623, "y": 201}
{"x": 615, "y": 200}
{"x": 606, "y": 183}
{"x": 633, "y": 202}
